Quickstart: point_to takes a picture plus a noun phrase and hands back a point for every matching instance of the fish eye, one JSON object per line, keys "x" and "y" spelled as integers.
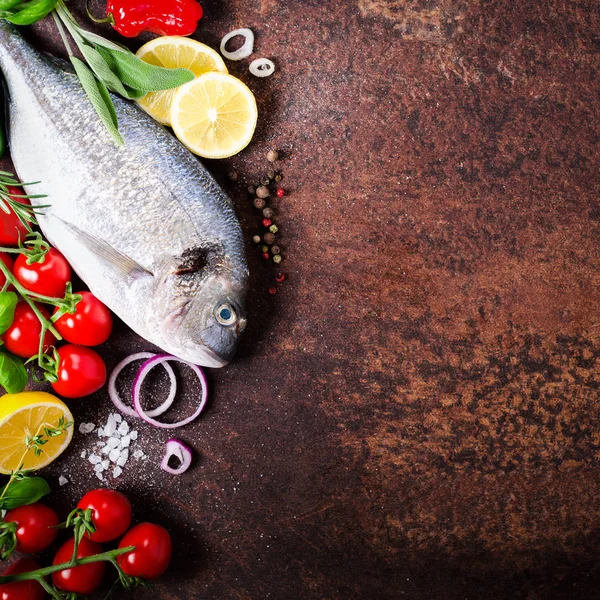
{"x": 225, "y": 314}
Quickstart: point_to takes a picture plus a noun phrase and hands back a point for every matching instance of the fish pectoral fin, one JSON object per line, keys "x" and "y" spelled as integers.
{"x": 115, "y": 259}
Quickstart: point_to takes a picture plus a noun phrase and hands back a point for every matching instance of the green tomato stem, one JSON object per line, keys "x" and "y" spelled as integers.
{"x": 45, "y": 571}
{"x": 26, "y": 296}
{"x": 49, "y": 588}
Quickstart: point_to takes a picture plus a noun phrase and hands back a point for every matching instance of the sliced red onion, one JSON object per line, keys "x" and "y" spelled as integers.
{"x": 141, "y": 375}
{"x": 180, "y": 451}
{"x": 262, "y": 67}
{"x": 128, "y": 410}
{"x": 245, "y": 50}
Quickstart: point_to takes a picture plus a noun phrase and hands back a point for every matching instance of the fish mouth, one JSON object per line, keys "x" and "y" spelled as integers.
{"x": 216, "y": 360}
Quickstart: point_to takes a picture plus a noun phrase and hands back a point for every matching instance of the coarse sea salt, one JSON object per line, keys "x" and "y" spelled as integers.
{"x": 115, "y": 440}
{"x": 62, "y": 480}
{"x": 86, "y": 428}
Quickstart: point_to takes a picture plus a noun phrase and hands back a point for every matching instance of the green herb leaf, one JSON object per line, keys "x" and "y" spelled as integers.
{"x": 8, "y": 302}
{"x": 99, "y": 97}
{"x": 27, "y": 13}
{"x": 8, "y": 4}
{"x": 98, "y": 40}
{"x": 25, "y": 490}
{"x": 140, "y": 75}
{"x": 102, "y": 70}
{"x": 13, "y": 374}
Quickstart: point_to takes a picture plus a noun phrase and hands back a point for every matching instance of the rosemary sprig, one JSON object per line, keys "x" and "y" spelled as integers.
{"x": 26, "y": 212}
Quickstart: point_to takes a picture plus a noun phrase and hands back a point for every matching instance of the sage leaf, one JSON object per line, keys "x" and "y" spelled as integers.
{"x": 98, "y": 40}
{"x": 27, "y": 13}
{"x": 13, "y": 374}
{"x": 22, "y": 491}
{"x": 99, "y": 97}
{"x": 102, "y": 69}
{"x": 140, "y": 75}
{"x": 8, "y": 302}
{"x": 134, "y": 94}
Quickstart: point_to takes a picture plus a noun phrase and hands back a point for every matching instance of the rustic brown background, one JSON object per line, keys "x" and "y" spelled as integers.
{"x": 415, "y": 414}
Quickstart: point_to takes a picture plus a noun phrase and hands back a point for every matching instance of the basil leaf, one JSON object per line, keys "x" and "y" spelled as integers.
{"x": 30, "y": 12}
{"x": 137, "y": 74}
{"x": 99, "y": 97}
{"x": 23, "y": 491}
{"x": 8, "y": 4}
{"x": 8, "y": 302}
{"x": 13, "y": 374}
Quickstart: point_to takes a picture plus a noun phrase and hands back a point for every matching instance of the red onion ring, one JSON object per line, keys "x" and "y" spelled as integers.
{"x": 141, "y": 375}
{"x": 116, "y": 399}
{"x": 181, "y": 451}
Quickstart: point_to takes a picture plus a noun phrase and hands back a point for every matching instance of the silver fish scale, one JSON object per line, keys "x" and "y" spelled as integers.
{"x": 150, "y": 199}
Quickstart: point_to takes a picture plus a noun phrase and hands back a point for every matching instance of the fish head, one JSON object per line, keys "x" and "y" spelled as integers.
{"x": 202, "y": 312}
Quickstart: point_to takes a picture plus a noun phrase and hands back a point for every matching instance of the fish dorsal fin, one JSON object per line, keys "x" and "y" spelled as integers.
{"x": 116, "y": 260}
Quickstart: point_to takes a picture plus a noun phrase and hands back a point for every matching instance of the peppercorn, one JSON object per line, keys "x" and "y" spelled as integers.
{"x": 251, "y": 190}
{"x": 279, "y": 277}
{"x": 264, "y": 248}
{"x": 262, "y": 191}
{"x": 272, "y": 155}
{"x": 233, "y": 176}
{"x": 278, "y": 177}
{"x": 269, "y": 238}
{"x": 271, "y": 174}
{"x": 265, "y": 181}
{"x": 265, "y": 255}
{"x": 277, "y": 259}
{"x": 275, "y": 249}
{"x": 272, "y": 290}
{"x": 280, "y": 192}
{"x": 259, "y": 203}
{"x": 272, "y": 228}
{"x": 256, "y": 239}
{"x": 268, "y": 213}
{"x": 267, "y": 223}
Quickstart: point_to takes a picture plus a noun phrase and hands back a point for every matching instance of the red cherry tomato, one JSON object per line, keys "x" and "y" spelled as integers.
{"x": 84, "y": 579}
{"x": 111, "y": 514}
{"x": 22, "y": 590}
{"x": 48, "y": 278}
{"x": 89, "y": 325}
{"x": 152, "y": 553}
{"x": 11, "y": 228}
{"x": 23, "y": 336}
{"x": 81, "y": 372}
{"x": 35, "y": 527}
{"x": 8, "y": 261}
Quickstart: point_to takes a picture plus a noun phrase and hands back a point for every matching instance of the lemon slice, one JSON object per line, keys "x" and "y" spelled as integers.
{"x": 175, "y": 52}
{"x": 25, "y": 415}
{"x": 214, "y": 115}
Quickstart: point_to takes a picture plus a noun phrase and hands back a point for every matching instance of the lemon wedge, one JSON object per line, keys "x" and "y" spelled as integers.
{"x": 214, "y": 115}
{"x": 25, "y": 415}
{"x": 174, "y": 52}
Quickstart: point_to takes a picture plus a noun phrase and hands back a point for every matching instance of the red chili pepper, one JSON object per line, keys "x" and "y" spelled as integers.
{"x": 164, "y": 17}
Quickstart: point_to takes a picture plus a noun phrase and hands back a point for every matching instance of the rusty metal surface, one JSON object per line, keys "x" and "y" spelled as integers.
{"x": 415, "y": 414}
